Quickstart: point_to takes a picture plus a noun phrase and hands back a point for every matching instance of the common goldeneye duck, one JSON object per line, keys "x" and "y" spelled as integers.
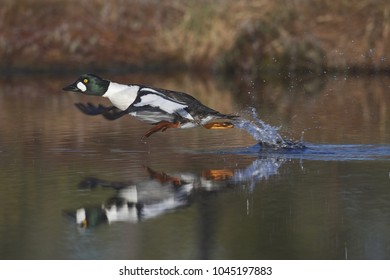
{"x": 160, "y": 107}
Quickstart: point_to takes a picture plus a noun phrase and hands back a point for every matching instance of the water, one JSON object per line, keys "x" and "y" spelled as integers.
{"x": 260, "y": 131}
{"x": 197, "y": 193}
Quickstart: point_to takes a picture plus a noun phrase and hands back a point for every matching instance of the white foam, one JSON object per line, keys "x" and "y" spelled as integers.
{"x": 259, "y": 130}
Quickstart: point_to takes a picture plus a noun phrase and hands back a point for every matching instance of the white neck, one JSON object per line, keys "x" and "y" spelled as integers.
{"x": 121, "y": 96}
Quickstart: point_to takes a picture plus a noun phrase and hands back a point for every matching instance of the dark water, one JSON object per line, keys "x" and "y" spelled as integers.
{"x": 197, "y": 194}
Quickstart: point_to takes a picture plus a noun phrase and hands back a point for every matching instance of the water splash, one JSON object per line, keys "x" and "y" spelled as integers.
{"x": 266, "y": 135}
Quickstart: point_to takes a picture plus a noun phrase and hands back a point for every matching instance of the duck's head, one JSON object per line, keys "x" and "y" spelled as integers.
{"x": 89, "y": 84}
{"x": 91, "y": 216}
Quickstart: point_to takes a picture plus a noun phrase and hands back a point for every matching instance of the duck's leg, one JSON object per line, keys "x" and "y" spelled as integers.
{"x": 218, "y": 125}
{"x": 161, "y": 126}
{"x": 163, "y": 177}
{"x": 218, "y": 174}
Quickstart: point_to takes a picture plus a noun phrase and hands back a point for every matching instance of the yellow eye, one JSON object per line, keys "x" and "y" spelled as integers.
{"x": 85, "y": 81}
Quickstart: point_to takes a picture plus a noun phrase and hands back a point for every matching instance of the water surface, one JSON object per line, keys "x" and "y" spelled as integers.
{"x": 200, "y": 194}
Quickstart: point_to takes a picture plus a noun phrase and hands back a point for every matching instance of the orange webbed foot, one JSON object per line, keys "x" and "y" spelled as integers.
{"x": 161, "y": 126}
{"x": 219, "y": 125}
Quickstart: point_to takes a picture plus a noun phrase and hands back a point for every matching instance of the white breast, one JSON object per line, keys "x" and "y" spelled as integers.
{"x": 121, "y": 96}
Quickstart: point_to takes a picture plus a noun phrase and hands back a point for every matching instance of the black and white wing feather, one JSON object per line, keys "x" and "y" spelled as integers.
{"x": 156, "y": 100}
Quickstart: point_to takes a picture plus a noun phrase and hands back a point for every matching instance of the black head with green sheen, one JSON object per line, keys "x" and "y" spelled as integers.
{"x": 89, "y": 84}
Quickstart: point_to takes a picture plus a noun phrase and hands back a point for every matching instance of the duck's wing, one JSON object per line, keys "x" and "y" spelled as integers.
{"x": 174, "y": 105}
{"x": 110, "y": 113}
{"x": 194, "y": 107}
{"x": 90, "y": 109}
{"x": 163, "y": 101}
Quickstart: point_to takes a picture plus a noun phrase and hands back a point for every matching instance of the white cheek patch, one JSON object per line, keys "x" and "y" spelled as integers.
{"x": 81, "y": 86}
{"x": 80, "y": 215}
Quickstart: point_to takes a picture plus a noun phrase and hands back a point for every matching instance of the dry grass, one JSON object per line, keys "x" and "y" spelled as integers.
{"x": 243, "y": 35}
{"x": 205, "y": 31}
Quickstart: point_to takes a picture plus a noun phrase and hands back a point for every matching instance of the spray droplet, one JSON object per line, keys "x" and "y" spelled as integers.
{"x": 265, "y": 134}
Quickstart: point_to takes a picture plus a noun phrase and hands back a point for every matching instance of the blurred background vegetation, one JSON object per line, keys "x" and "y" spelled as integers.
{"x": 229, "y": 36}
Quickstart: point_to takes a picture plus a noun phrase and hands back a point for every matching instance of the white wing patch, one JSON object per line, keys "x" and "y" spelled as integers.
{"x": 150, "y": 89}
{"x": 185, "y": 114}
{"x": 166, "y": 105}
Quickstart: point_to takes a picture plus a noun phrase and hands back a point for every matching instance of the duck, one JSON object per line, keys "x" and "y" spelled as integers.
{"x": 133, "y": 202}
{"x": 159, "y": 107}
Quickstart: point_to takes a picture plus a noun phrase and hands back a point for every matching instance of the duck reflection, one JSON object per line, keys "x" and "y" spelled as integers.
{"x": 162, "y": 193}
